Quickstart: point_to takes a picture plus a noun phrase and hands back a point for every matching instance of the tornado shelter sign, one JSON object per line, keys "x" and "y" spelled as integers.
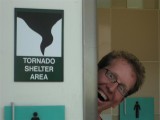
{"x": 38, "y": 53}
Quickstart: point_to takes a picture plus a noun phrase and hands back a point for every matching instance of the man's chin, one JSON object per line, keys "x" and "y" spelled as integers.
{"x": 104, "y": 106}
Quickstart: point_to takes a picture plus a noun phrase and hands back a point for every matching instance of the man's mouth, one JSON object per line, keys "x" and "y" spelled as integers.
{"x": 102, "y": 96}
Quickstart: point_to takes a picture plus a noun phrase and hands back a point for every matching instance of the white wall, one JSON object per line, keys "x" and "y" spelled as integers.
{"x": 69, "y": 92}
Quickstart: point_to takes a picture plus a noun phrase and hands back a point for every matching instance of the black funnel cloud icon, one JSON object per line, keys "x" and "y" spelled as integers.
{"x": 42, "y": 23}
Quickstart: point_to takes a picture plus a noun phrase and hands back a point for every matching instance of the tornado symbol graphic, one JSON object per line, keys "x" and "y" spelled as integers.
{"x": 42, "y": 23}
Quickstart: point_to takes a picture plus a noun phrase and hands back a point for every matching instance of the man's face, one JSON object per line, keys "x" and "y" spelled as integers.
{"x": 111, "y": 94}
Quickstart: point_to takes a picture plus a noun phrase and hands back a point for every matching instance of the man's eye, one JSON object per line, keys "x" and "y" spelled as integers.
{"x": 121, "y": 88}
{"x": 110, "y": 75}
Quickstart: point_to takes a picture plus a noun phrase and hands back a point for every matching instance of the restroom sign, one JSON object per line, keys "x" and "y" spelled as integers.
{"x": 38, "y": 54}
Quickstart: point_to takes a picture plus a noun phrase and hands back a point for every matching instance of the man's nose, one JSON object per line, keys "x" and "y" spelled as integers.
{"x": 112, "y": 87}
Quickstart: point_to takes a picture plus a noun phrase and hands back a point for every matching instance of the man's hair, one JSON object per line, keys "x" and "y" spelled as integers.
{"x": 132, "y": 60}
